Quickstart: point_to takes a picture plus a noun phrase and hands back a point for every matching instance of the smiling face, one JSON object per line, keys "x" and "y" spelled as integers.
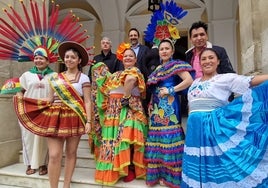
{"x": 40, "y": 62}
{"x": 133, "y": 37}
{"x": 165, "y": 51}
{"x": 209, "y": 62}
{"x": 129, "y": 58}
{"x": 199, "y": 37}
{"x": 71, "y": 59}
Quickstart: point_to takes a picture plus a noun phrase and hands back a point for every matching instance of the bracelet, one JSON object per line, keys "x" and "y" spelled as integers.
{"x": 126, "y": 97}
{"x": 171, "y": 91}
{"x": 89, "y": 121}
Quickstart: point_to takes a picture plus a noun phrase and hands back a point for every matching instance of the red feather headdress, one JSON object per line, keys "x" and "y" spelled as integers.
{"x": 35, "y": 29}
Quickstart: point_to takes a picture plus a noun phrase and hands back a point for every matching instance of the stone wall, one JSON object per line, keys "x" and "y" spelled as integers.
{"x": 253, "y": 36}
{"x": 10, "y": 137}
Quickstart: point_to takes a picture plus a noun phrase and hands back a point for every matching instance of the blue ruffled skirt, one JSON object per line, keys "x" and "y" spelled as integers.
{"x": 227, "y": 147}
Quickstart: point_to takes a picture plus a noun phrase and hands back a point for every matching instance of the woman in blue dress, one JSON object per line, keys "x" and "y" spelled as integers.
{"x": 164, "y": 144}
{"x": 226, "y": 143}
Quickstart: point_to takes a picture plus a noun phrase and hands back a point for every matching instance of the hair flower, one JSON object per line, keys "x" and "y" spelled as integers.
{"x": 121, "y": 49}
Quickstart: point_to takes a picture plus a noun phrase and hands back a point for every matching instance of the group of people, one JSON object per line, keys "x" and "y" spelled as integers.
{"x": 55, "y": 106}
{"x": 132, "y": 113}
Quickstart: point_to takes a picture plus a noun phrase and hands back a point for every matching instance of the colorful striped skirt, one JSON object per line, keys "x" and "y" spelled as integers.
{"x": 123, "y": 137}
{"x": 45, "y": 119}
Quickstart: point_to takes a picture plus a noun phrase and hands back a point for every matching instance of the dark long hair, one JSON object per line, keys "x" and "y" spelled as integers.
{"x": 209, "y": 49}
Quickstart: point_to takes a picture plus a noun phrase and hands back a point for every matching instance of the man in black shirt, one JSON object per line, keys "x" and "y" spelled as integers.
{"x": 106, "y": 56}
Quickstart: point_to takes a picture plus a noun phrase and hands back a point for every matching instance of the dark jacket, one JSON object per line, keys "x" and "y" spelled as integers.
{"x": 110, "y": 60}
{"x": 152, "y": 60}
{"x": 225, "y": 65}
{"x": 141, "y": 64}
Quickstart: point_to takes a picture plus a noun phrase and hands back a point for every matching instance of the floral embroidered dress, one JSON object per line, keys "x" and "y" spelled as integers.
{"x": 124, "y": 128}
{"x": 164, "y": 144}
{"x": 226, "y": 143}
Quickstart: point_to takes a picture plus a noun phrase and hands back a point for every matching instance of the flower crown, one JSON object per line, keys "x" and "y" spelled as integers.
{"x": 121, "y": 49}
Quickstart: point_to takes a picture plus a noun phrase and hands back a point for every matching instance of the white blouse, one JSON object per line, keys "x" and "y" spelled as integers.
{"x": 216, "y": 91}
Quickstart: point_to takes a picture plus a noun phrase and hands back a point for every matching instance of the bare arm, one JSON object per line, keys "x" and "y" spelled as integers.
{"x": 50, "y": 97}
{"x": 129, "y": 84}
{"x": 258, "y": 79}
{"x": 87, "y": 102}
{"x": 186, "y": 82}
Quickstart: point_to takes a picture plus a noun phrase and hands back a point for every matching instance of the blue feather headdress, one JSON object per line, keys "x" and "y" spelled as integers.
{"x": 163, "y": 23}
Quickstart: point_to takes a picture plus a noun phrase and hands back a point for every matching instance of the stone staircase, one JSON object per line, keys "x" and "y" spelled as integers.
{"x": 14, "y": 176}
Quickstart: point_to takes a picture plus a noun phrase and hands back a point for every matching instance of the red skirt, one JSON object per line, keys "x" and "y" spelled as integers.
{"x": 48, "y": 119}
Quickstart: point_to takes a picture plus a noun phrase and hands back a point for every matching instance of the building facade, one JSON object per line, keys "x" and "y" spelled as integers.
{"x": 238, "y": 25}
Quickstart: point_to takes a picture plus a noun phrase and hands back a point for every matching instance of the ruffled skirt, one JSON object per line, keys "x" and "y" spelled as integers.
{"x": 165, "y": 141}
{"x": 123, "y": 139}
{"x": 227, "y": 147}
{"x": 45, "y": 119}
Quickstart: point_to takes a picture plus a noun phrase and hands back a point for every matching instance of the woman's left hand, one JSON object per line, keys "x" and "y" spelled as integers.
{"x": 163, "y": 91}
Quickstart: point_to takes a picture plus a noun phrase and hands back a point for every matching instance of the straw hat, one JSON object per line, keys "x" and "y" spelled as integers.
{"x": 63, "y": 47}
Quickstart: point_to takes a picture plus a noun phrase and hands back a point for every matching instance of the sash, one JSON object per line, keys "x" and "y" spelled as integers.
{"x": 68, "y": 95}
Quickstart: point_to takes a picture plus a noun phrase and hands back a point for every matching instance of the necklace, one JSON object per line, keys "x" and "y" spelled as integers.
{"x": 71, "y": 76}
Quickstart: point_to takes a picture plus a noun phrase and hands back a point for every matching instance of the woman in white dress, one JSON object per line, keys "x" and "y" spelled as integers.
{"x": 226, "y": 143}
{"x": 35, "y": 84}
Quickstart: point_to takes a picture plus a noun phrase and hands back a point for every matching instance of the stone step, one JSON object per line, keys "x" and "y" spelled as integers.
{"x": 83, "y": 142}
{"x": 14, "y": 176}
{"x": 84, "y": 158}
{"x": 11, "y": 186}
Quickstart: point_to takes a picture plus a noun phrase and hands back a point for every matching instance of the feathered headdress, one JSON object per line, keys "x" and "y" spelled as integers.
{"x": 163, "y": 23}
{"x": 35, "y": 30}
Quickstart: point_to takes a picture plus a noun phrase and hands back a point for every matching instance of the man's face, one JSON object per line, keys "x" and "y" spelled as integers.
{"x": 199, "y": 37}
{"x": 133, "y": 37}
{"x": 106, "y": 45}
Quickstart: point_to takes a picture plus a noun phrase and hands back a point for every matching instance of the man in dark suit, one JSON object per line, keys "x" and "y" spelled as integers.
{"x": 140, "y": 50}
{"x": 141, "y": 53}
{"x": 199, "y": 39}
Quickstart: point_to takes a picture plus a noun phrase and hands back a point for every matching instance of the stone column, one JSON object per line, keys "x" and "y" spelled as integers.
{"x": 246, "y": 36}
{"x": 116, "y": 37}
{"x": 223, "y": 33}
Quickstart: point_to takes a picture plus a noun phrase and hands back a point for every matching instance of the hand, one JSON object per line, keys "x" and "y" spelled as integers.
{"x": 19, "y": 94}
{"x": 163, "y": 91}
{"x": 88, "y": 127}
